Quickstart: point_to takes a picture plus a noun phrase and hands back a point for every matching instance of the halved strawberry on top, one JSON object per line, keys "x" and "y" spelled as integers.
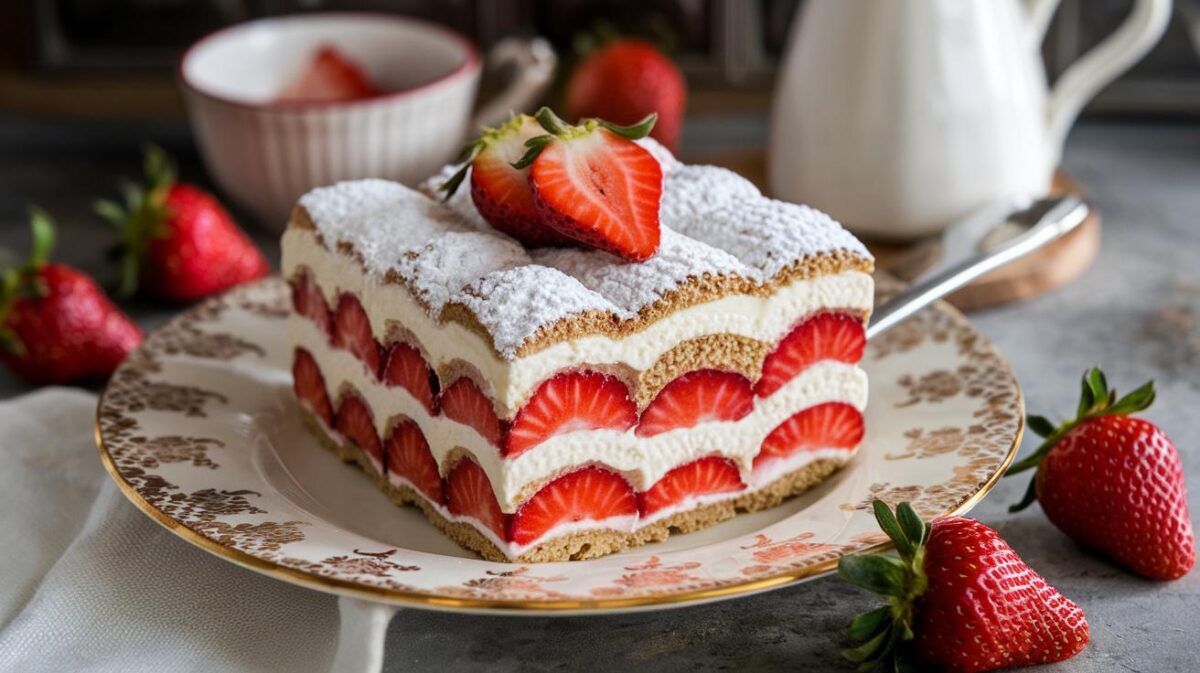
{"x": 825, "y": 336}
{"x": 589, "y": 494}
{"x": 500, "y": 191}
{"x": 697, "y": 397}
{"x": 403, "y": 367}
{"x": 706, "y": 476}
{"x": 352, "y": 332}
{"x": 594, "y": 185}
{"x": 833, "y": 425}
{"x": 568, "y": 402}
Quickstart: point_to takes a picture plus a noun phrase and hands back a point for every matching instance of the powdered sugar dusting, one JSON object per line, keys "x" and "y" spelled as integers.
{"x": 454, "y": 260}
{"x": 514, "y": 304}
{"x": 714, "y": 222}
{"x": 632, "y": 286}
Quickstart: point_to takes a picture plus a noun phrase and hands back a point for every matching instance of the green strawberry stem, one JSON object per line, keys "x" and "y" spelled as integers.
{"x": 1095, "y": 401}
{"x": 879, "y": 634}
{"x": 557, "y": 128}
{"x": 22, "y": 280}
{"x": 472, "y": 150}
{"x": 141, "y": 218}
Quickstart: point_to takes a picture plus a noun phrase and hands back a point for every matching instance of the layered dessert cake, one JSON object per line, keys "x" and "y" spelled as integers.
{"x": 558, "y": 403}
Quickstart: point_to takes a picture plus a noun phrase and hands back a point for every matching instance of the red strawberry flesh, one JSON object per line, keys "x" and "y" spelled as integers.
{"x": 985, "y": 609}
{"x": 403, "y": 367}
{"x": 570, "y": 402}
{"x": 309, "y": 301}
{"x": 1116, "y": 484}
{"x": 825, "y": 336}
{"x": 697, "y": 397}
{"x": 328, "y": 77}
{"x": 469, "y": 493}
{"x": 409, "y": 457}
{"x": 464, "y": 402}
{"x": 705, "y": 476}
{"x": 352, "y": 332}
{"x": 309, "y": 385}
{"x": 355, "y": 422}
{"x": 602, "y": 190}
{"x": 501, "y": 193}
{"x": 590, "y": 494}
{"x": 833, "y": 425}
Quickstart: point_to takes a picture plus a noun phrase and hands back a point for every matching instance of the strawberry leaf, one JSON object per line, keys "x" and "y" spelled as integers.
{"x": 914, "y": 528}
{"x": 1138, "y": 400}
{"x": 879, "y": 574}
{"x": 450, "y": 186}
{"x": 1040, "y": 425}
{"x": 43, "y": 237}
{"x": 1027, "y": 499}
{"x": 889, "y": 525}
{"x": 535, "y": 145}
{"x": 869, "y": 624}
{"x": 634, "y": 131}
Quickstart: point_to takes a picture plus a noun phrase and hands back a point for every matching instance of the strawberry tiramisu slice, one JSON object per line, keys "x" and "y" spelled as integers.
{"x": 692, "y": 356}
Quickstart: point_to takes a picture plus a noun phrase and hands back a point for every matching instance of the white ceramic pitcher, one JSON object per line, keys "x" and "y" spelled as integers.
{"x": 899, "y": 117}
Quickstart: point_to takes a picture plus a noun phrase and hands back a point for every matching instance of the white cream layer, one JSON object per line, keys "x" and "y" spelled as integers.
{"x": 642, "y": 460}
{"x": 511, "y": 382}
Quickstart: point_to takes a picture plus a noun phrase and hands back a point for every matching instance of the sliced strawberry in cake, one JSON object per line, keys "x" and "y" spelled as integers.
{"x": 832, "y": 425}
{"x": 409, "y": 459}
{"x": 355, "y": 422}
{"x": 828, "y": 336}
{"x": 470, "y": 494}
{"x": 465, "y": 403}
{"x": 688, "y": 483}
{"x": 352, "y": 332}
{"x": 403, "y": 367}
{"x": 592, "y": 494}
{"x": 309, "y": 386}
{"x": 702, "y": 396}
{"x": 571, "y": 402}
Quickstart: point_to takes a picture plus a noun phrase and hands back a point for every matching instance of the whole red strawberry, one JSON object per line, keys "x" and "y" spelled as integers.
{"x": 1114, "y": 483}
{"x": 176, "y": 241}
{"x": 626, "y": 80}
{"x": 58, "y": 326}
{"x": 959, "y": 599}
{"x": 501, "y": 192}
{"x": 594, "y": 185}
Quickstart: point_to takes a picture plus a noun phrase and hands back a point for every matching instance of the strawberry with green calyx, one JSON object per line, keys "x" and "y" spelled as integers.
{"x": 501, "y": 193}
{"x": 593, "y": 184}
{"x": 959, "y": 599}
{"x": 176, "y": 241}
{"x": 56, "y": 325}
{"x": 1113, "y": 482}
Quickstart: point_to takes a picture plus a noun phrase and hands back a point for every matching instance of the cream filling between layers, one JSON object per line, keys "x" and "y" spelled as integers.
{"x": 509, "y": 383}
{"x": 643, "y": 460}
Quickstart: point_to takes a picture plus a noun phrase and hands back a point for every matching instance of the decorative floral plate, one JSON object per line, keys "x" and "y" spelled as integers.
{"x": 200, "y": 430}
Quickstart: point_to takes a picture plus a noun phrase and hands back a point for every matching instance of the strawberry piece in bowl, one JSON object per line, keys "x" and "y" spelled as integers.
{"x": 329, "y": 76}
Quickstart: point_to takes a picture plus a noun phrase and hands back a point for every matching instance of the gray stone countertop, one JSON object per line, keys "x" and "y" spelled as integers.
{"x": 1136, "y": 313}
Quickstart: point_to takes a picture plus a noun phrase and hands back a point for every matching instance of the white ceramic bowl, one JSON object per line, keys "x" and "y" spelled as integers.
{"x": 265, "y": 154}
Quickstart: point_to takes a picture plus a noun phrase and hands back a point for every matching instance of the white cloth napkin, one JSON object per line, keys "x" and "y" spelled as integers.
{"x": 88, "y": 583}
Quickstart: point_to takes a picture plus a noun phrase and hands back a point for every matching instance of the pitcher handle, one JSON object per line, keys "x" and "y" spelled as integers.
{"x": 1102, "y": 64}
{"x": 532, "y": 63}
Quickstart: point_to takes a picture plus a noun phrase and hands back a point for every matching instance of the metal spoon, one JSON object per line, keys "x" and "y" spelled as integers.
{"x": 982, "y": 243}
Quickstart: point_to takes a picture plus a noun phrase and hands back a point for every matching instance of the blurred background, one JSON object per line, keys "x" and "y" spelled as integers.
{"x": 116, "y": 59}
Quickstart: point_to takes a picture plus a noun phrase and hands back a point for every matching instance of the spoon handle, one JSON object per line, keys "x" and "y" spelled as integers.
{"x": 1045, "y": 221}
